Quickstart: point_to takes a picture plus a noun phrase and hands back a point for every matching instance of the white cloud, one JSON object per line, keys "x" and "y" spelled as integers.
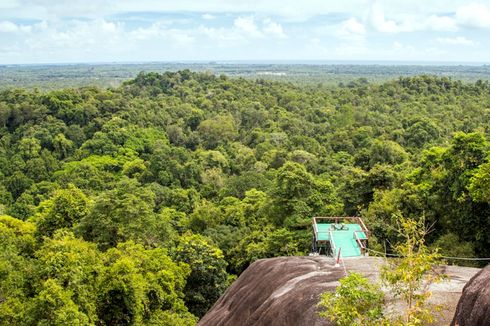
{"x": 352, "y": 26}
{"x": 273, "y": 29}
{"x": 474, "y": 14}
{"x": 221, "y": 37}
{"x": 247, "y": 25}
{"x": 458, "y": 40}
{"x": 409, "y": 22}
{"x": 440, "y": 23}
{"x": 6, "y": 26}
{"x": 84, "y": 36}
{"x": 9, "y": 27}
{"x": 162, "y": 30}
{"x": 108, "y": 26}
{"x": 179, "y": 37}
{"x": 400, "y": 47}
{"x": 208, "y": 17}
{"x": 379, "y": 22}
{"x": 290, "y": 10}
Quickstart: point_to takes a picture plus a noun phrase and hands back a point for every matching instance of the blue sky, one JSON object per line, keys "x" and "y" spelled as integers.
{"x": 65, "y": 31}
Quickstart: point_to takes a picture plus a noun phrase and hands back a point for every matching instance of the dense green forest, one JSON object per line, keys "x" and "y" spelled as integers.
{"x": 140, "y": 204}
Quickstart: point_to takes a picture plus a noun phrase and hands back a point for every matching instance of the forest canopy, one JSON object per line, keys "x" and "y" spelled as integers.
{"x": 140, "y": 204}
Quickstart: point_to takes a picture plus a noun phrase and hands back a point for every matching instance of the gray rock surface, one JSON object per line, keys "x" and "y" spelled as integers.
{"x": 277, "y": 291}
{"x": 474, "y": 305}
{"x": 285, "y": 291}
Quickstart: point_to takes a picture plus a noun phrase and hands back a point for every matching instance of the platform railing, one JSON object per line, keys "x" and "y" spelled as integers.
{"x": 332, "y": 242}
{"x": 358, "y": 240}
{"x": 337, "y": 218}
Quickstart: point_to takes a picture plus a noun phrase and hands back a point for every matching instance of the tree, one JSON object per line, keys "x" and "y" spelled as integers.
{"x": 62, "y": 146}
{"x": 53, "y": 306}
{"x": 458, "y": 190}
{"x": 17, "y": 245}
{"x": 480, "y": 184}
{"x": 298, "y": 195}
{"x": 205, "y": 215}
{"x": 385, "y": 152}
{"x": 29, "y": 148}
{"x": 93, "y": 173}
{"x": 410, "y": 275}
{"x": 66, "y": 208}
{"x": 208, "y": 278}
{"x": 122, "y": 214}
{"x": 67, "y": 270}
{"x": 355, "y": 301}
{"x": 265, "y": 242}
{"x": 217, "y": 129}
{"x": 140, "y": 286}
{"x": 17, "y": 183}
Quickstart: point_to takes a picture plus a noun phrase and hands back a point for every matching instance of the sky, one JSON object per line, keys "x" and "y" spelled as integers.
{"x": 73, "y": 31}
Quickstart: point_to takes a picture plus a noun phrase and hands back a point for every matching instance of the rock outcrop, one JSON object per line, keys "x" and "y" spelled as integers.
{"x": 284, "y": 291}
{"x": 474, "y": 305}
{"x": 277, "y": 291}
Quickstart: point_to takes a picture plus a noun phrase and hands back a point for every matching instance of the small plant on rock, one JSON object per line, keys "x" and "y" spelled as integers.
{"x": 355, "y": 302}
{"x": 410, "y": 275}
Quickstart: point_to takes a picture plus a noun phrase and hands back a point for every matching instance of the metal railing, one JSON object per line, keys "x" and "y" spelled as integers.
{"x": 338, "y": 218}
{"x": 332, "y": 242}
{"x": 358, "y": 240}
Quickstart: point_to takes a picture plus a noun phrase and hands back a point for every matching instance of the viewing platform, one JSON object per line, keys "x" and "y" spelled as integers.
{"x": 345, "y": 236}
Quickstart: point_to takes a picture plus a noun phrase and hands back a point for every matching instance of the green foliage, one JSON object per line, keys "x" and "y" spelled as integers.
{"x": 122, "y": 214}
{"x": 53, "y": 306}
{"x": 358, "y": 301}
{"x": 355, "y": 301}
{"x": 139, "y": 286}
{"x": 17, "y": 244}
{"x": 92, "y": 173}
{"x": 244, "y": 164}
{"x": 66, "y": 273}
{"x": 480, "y": 184}
{"x": 66, "y": 208}
{"x": 208, "y": 278}
{"x": 409, "y": 276}
{"x": 264, "y": 243}
{"x": 299, "y": 195}
{"x": 213, "y": 131}
{"x": 69, "y": 282}
{"x": 449, "y": 245}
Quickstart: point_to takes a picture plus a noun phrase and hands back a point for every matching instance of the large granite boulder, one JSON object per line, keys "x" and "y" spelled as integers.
{"x": 277, "y": 291}
{"x": 284, "y": 291}
{"x": 474, "y": 305}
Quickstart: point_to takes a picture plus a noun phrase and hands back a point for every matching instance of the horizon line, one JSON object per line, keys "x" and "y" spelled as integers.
{"x": 261, "y": 61}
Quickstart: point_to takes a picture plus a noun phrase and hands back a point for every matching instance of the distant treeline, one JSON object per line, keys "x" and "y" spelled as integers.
{"x": 49, "y": 77}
